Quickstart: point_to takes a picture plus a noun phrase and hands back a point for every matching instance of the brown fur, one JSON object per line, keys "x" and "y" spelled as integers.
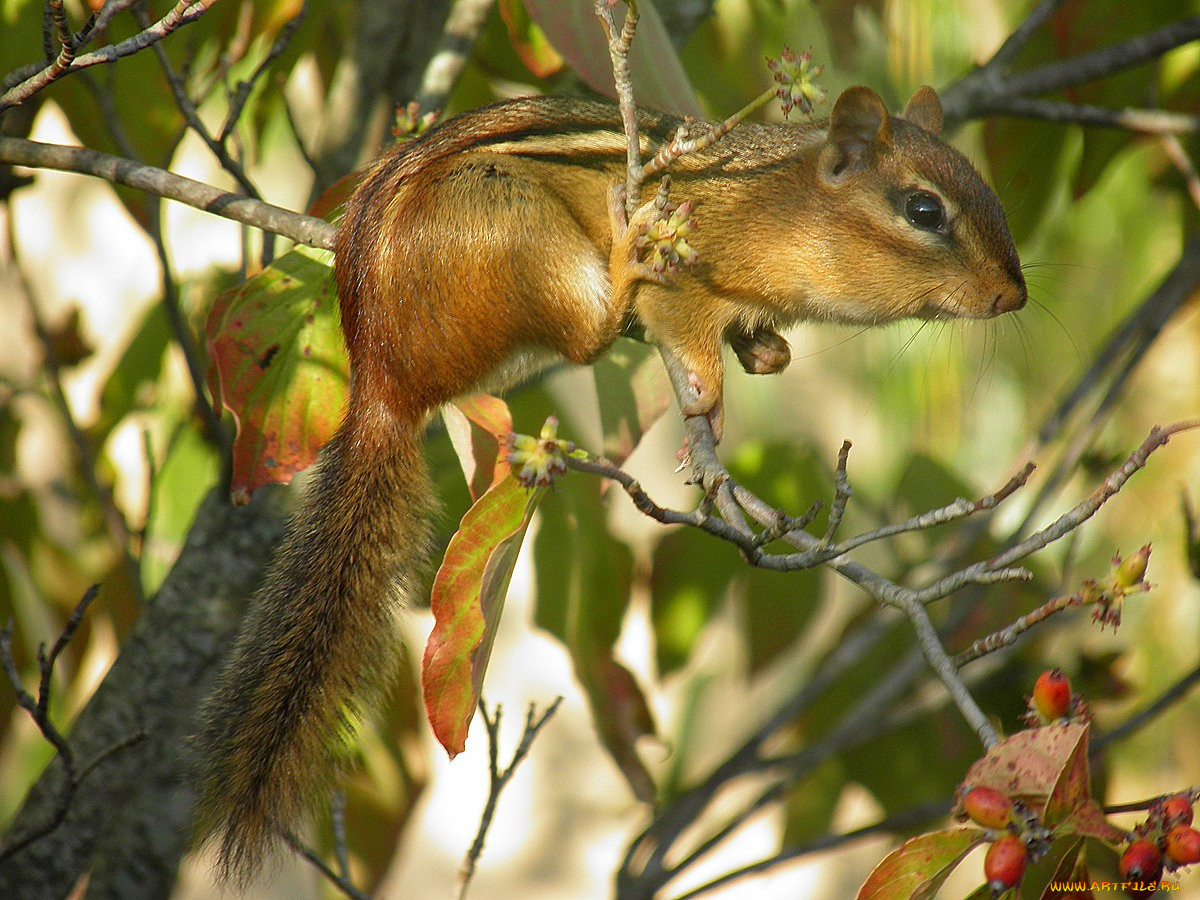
{"x": 484, "y": 250}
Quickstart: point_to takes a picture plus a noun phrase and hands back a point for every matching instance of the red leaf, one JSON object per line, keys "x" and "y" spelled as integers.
{"x": 919, "y": 866}
{"x": 468, "y": 597}
{"x": 279, "y": 366}
{"x": 477, "y": 427}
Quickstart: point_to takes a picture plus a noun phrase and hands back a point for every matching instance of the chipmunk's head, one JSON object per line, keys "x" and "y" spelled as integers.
{"x": 909, "y": 227}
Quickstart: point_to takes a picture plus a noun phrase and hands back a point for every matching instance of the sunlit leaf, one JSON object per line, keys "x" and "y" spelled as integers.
{"x": 917, "y": 868}
{"x": 529, "y": 40}
{"x": 184, "y": 479}
{"x": 279, "y": 365}
{"x": 468, "y": 598}
{"x": 477, "y": 427}
{"x": 140, "y": 364}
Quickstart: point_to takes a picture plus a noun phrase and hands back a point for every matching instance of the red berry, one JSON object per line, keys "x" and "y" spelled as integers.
{"x": 1141, "y": 863}
{"x": 988, "y": 807}
{"x": 1183, "y": 845}
{"x": 1005, "y": 863}
{"x": 1052, "y": 695}
{"x": 1177, "y": 810}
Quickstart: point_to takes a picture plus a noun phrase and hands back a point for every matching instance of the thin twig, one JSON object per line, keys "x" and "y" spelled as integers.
{"x": 908, "y": 820}
{"x": 1017, "y": 41}
{"x": 170, "y": 290}
{"x": 1116, "y": 480}
{"x": 1183, "y": 163}
{"x": 184, "y": 13}
{"x": 841, "y": 496}
{"x": 1006, "y": 637}
{"x": 498, "y": 779}
{"x": 1105, "y": 61}
{"x": 237, "y": 100}
{"x": 1171, "y": 695}
{"x": 618, "y": 50}
{"x": 337, "y": 823}
{"x": 1192, "y": 793}
{"x": 1062, "y": 112}
{"x": 39, "y": 711}
{"x": 336, "y": 879}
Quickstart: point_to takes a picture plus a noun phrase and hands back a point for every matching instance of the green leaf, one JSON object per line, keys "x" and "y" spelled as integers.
{"x": 811, "y": 804}
{"x": 468, "y": 598}
{"x": 1031, "y": 166}
{"x": 583, "y": 572}
{"x": 927, "y": 483}
{"x": 692, "y": 574}
{"x": 622, "y": 717}
{"x": 529, "y": 40}
{"x": 279, "y": 365}
{"x": 689, "y": 578}
{"x": 190, "y": 468}
{"x": 633, "y": 392}
{"x": 139, "y": 365}
{"x": 917, "y": 868}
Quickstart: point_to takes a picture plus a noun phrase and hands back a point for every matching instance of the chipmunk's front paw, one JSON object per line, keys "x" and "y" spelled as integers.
{"x": 626, "y": 232}
{"x": 763, "y": 352}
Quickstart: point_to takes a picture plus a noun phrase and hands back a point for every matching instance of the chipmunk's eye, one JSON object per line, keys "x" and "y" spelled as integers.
{"x": 925, "y": 211}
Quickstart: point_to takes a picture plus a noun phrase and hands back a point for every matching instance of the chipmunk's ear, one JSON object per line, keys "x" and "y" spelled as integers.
{"x": 924, "y": 110}
{"x": 859, "y": 127}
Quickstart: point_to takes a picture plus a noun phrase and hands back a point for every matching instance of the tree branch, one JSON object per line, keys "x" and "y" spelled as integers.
{"x": 257, "y": 213}
{"x": 165, "y": 667}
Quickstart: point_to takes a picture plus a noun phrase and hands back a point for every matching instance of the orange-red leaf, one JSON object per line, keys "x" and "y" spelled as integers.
{"x": 468, "y": 597}
{"x": 477, "y": 427}
{"x": 1028, "y": 764}
{"x": 918, "y": 867}
{"x": 279, "y": 366}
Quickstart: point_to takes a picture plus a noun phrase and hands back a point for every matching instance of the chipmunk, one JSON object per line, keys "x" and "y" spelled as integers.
{"x": 488, "y": 248}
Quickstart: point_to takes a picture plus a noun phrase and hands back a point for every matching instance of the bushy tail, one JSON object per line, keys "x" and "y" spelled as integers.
{"x": 318, "y": 643}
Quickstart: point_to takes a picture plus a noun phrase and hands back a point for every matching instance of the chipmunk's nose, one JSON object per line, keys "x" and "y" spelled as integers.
{"x": 1012, "y": 298}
